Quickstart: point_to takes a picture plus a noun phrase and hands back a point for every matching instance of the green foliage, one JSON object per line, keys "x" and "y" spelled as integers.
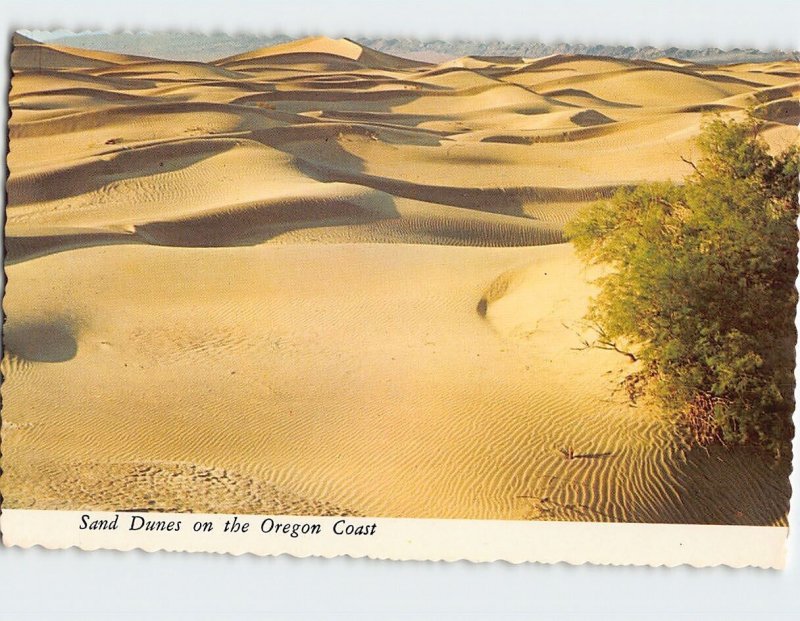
{"x": 702, "y": 285}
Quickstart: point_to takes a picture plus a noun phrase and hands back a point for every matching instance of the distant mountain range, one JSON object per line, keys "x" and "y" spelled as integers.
{"x": 202, "y": 47}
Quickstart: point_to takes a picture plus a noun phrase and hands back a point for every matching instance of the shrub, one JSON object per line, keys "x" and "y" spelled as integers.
{"x": 702, "y": 285}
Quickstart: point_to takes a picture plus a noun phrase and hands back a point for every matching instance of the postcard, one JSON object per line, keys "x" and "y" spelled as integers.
{"x": 400, "y": 299}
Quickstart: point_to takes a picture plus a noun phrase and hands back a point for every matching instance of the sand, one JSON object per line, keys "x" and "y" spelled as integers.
{"x": 318, "y": 279}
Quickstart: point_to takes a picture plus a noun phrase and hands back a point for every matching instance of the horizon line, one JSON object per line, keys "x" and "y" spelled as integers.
{"x": 64, "y": 35}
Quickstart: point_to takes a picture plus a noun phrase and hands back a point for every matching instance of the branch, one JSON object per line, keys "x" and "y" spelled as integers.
{"x": 692, "y": 164}
{"x": 607, "y": 343}
{"x": 604, "y": 342}
{"x": 613, "y": 347}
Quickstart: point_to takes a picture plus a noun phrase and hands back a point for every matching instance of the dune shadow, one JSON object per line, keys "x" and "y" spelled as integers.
{"x": 509, "y": 201}
{"x": 255, "y": 223}
{"x": 24, "y": 248}
{"x": 331, "y": 162}
{"x": 589, "y": 97}
{"x": 91, "y": 176}
{"x": 45, "y": 341}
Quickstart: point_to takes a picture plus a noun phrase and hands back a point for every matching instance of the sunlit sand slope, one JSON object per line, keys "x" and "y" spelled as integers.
{"x": 270, "y": 378}
{"x": 316, "y": 278}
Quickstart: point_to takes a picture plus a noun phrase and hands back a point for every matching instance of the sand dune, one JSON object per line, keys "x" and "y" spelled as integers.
{"x": 29, "y": 54}
{"x": 319, "y": 53}
{"x": 315, "y": 278}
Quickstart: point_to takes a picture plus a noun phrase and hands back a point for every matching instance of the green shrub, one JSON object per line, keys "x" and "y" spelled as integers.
{"x": 702, "y": 285}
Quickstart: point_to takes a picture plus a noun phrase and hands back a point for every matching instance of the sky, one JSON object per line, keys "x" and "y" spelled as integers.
{"x": 763, "y": 24}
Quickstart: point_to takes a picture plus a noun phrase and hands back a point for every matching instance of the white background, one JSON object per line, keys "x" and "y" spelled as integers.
{"x": 77, "y": 585}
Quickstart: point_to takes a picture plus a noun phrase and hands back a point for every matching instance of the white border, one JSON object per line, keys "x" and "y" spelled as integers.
{"x": 407, "y": 539}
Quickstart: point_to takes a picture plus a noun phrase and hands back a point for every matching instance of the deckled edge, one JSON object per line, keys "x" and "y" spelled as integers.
{"x": 405, "y": 539}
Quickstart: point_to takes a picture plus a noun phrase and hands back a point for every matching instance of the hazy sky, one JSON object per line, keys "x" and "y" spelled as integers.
{"x": 763, "y": 24}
